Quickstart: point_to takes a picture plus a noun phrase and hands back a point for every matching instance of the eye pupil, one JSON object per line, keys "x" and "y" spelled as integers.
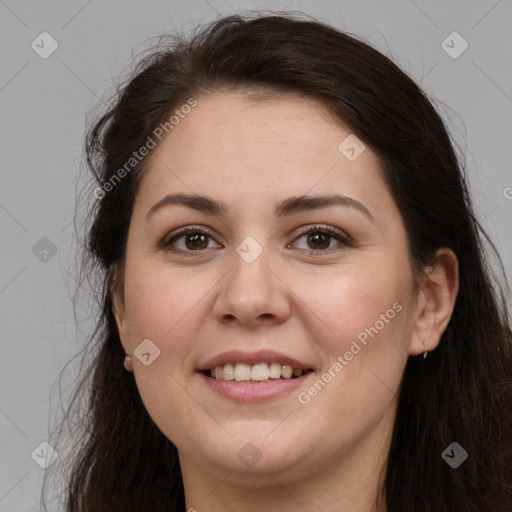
{"x": 196, "y": 239}
{"x": 319, "y": 237}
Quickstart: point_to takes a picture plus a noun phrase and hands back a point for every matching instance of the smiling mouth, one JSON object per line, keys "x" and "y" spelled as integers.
{"x": 256, "y": 373}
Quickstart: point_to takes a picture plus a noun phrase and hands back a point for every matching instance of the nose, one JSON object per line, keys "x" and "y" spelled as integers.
{"x": 253, "y": 293}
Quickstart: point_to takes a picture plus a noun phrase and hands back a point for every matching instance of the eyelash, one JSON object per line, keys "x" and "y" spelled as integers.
{"x": 344, "y": 240}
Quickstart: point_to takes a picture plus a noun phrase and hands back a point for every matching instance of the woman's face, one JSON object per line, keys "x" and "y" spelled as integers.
{"x": 259, "y": 285}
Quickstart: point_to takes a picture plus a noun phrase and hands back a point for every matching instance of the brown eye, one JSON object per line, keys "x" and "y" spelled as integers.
{"x": 319, "y": 239}
{"x": 195, "y": 241}
{"x": 187, "y": 241}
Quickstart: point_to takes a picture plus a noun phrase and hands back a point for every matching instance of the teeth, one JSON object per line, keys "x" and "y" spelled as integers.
{"x": 257, "y": 372}
{"x": 274, "y": 371}
{"x": 229, "y": 372}
{"x": 242, "y": 372}
{"x": 287, "y": 371}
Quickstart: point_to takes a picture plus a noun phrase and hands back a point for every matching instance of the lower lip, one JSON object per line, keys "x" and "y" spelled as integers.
{"x": 254, "y": 392}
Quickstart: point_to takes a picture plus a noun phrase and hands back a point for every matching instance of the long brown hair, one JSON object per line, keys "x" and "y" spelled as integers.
{"x": 462, "y": 392}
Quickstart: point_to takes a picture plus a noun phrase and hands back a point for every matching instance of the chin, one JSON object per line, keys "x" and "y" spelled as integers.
{"x": 252, "y": 453}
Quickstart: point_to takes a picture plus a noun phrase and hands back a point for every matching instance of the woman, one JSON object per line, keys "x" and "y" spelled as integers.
{"x": 297, "y": 313}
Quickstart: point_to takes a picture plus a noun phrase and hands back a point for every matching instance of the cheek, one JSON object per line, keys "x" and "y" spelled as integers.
{"x": 363, "y": 337}
{"x": 361, "y": 327}
{"x": 163, "y": 307}
{"x": 160, "y": 304}
{"x": 348, "y": 303}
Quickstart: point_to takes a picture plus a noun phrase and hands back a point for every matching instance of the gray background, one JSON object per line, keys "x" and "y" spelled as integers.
{"x": 43, "y": 104}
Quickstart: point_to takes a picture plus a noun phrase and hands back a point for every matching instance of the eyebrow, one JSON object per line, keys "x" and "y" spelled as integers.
{"x": 284, "y": 208}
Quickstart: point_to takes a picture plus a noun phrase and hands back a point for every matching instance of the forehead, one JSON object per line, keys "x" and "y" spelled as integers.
{"x": 243, "y": 121}
{"x": 243, "y": 148}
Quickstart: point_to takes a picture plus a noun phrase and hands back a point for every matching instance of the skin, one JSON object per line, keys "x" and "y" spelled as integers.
{"x": 307, "y": 302}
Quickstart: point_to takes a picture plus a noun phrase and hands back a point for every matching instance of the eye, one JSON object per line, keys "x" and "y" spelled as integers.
{"x": 319, "y": 239}
{"x": 192, "y": 240}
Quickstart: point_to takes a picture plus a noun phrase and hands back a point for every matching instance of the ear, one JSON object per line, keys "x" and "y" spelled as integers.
{"x": 436, "y": 300}
{"x": 115, "y": 283}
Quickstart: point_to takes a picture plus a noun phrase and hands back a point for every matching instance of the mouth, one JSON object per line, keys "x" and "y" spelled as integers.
{"x": 256, "y": 373}
{"x": 254, "y": 377}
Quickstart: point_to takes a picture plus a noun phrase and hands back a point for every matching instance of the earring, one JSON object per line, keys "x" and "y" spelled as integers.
{"x": 424, "y": 353}
{"x": 128, "y": 364}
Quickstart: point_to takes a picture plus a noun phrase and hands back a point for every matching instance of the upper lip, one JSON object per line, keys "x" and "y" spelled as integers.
{"x": 261, "y": 356}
